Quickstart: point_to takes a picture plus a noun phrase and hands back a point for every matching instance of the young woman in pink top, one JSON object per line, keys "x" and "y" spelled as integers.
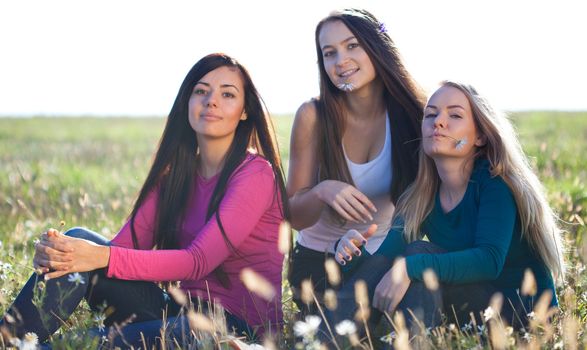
{"x": 209, "y": 208}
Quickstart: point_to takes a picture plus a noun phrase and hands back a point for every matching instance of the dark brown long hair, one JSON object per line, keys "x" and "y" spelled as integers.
{"x": 174, "y": 165}
{"x": 403, "y": 98}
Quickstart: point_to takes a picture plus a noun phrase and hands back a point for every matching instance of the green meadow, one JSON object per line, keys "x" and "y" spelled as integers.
{"x": 87, "y": 171}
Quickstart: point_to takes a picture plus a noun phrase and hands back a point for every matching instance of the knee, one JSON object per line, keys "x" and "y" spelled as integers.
{"x": 84, "y": 233}
{"x": 423, "y": 247}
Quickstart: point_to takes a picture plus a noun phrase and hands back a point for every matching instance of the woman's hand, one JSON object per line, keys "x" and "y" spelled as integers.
{"x": 350, "y": 203}
{"x": 392, "y": 288}
{"x": 350, "y": 244}
{"x": 61, "y": 255}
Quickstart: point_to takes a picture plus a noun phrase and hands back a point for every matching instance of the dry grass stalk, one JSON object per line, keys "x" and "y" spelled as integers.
{"x": 332, "y": 272}
{"x": 402, "y": 339}
{"x": 430, "y": 279}
{"x": 200, "y": 322}
{"x": 257, "y": 284}
{"x": 330, "y": 299}
{"x": 529, "y": 284}
{"x": 284, "y": 239}
{"x": 307, "y": 291}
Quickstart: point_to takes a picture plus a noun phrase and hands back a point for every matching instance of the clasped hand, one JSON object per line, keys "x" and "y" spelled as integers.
{"x": 57, "y": 255}
{"x": 350, "y": 203}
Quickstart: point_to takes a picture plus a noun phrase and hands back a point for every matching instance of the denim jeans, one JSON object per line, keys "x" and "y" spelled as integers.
{"x": 120, "y": 300}
{"x": 451, "y": 303}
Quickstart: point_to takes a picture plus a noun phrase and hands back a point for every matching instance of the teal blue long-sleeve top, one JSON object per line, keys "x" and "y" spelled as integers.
{"x": 482, "y": 237}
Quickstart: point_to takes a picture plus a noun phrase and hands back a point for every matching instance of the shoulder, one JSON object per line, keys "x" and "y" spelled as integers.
{"x": 307, "y": 114}
{"x": 489, "y": 183}
{"x": 255, "y": 165}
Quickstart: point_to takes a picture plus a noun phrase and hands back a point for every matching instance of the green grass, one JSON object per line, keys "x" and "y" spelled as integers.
{"x": 87, "y": 171}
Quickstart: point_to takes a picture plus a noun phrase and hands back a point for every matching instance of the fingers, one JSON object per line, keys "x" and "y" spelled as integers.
{"x": 55, "y": 274}
{"x": 56, "y": 243}
{"x": 47, "y": 252}
{"x": 52, "y": 265}
{"x": 370, "y": 231}
{"x": 342, "y": 212}
{"x": 365, "y": 201}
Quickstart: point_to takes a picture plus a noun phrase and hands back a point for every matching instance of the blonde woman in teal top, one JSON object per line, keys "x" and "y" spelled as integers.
{"x": 483, "y": 211}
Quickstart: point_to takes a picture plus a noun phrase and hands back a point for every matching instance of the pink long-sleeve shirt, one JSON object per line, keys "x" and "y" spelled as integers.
{"x": 250, "y": 215}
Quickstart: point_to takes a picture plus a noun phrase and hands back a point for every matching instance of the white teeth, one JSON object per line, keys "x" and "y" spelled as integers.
{"x": 347, "y": 73}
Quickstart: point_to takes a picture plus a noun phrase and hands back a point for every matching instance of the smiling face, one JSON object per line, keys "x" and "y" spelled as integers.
{"x": 217, "y": 104}
{"x": 347, "y": 64}
{"x": 448, "y": 127}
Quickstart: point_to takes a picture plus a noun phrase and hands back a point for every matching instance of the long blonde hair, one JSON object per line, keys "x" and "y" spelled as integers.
{"x": 506, "y": 159}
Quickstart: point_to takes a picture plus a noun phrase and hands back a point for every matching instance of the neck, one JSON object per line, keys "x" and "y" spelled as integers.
{"x": 211, "y": 155}
{"x": 366, "y": 103}
{"x": 454, "y": 175}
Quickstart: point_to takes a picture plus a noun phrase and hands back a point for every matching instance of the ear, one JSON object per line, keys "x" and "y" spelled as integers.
{"x": 244, "y": 116}
{"x": 480, "y": 140}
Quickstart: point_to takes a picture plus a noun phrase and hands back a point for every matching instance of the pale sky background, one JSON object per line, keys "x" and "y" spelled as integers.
{"x": 129, "y": 57}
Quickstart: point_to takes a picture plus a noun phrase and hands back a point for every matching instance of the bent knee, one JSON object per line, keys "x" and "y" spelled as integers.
{"x": 84, "y": 233}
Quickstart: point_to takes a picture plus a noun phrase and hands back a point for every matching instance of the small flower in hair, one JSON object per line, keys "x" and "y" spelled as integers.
{"x": 382, "y": 28}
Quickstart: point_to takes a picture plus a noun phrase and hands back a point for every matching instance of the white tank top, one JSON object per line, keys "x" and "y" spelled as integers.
{"x": 374, "y": 180}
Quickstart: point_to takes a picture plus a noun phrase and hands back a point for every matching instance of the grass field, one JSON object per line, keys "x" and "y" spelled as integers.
{"x": 86, "y": 172}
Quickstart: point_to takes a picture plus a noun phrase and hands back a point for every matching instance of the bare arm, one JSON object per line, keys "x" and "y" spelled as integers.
{"x": 307, "y": 196}
{"x": 304, "y": 202}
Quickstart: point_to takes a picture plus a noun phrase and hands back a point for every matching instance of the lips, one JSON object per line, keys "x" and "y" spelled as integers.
{"x": 210, "y": 116}
{"x": 348, "y": 72}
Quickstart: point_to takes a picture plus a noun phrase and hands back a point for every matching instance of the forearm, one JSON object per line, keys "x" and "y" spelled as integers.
{"x": 305, "y": 208}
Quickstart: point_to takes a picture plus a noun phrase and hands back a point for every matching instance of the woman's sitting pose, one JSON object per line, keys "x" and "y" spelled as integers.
{"x": 483, "y": 212}
{"x": 211, "y": 205}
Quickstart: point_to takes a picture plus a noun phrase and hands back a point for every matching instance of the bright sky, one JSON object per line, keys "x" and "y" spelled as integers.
{"x": 129, "y": 57}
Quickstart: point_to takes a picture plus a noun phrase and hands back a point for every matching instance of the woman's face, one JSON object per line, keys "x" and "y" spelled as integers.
{"x": 217, "y": 104}
{"x": 448, "y": 127}
{"x": 347, "y": 64}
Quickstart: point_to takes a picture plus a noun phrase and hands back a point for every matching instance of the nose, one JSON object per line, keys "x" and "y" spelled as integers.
{"x": 210, "y": 100}
{"x": 440, "y": 120}
{"x": 341, "y": 59}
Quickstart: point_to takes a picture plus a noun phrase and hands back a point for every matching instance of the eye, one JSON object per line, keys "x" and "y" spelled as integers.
{"x": 199, "y": 92}
{"x": 429, "y": 115}
{"x": 353, "y": 46}
{"x": 456, "y": 116}
{"x": 228, "y": 95}
{"x": 328, "y": 53}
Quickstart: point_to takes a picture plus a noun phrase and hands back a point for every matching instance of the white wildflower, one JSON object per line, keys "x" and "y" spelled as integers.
{"x": 467, "y": 327}
{"x": 76, "y": 278}
{"x": 531, "y": 315}
{"x": 307, "y": 328}
{"x": 346, "y": 327}
{"x": 388, "y": 339}
{"x": 488, "y": 314}
{"x": 30, "y": 341}
{"x": 461, "y": 143}
{"x": 481, "y": 329}
{"x": 99, "y": 319}
{"x": 527, "y": 336}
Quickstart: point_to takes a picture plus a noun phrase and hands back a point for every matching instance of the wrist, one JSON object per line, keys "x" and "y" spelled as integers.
{"x": 104, "y": 256}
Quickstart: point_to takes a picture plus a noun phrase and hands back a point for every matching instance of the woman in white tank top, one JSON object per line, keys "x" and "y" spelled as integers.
{"x": 353, "y": 149}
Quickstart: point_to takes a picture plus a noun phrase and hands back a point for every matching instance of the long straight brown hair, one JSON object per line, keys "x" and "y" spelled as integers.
{"x": 403, "y": 98}
{"x": 174, "y": 164}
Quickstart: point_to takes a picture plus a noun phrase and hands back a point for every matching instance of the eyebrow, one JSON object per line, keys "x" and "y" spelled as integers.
{"x": 448, "y": 107}
{"x": 222, "y": 86}
{"x": 342, "y": 42}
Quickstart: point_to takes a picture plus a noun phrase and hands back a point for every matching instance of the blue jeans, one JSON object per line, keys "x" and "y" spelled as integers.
{"x": 451, "y": 303}
{"x": 121, "y": 300}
